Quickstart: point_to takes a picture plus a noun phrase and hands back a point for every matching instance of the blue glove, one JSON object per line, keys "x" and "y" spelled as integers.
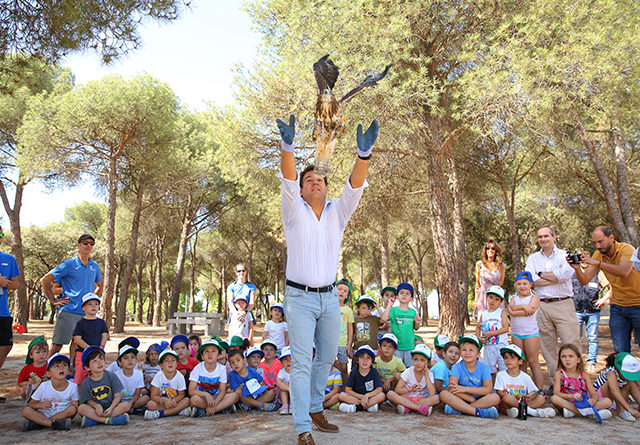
{"x": 366, "y": 140}
{"x": 287, "y": 132}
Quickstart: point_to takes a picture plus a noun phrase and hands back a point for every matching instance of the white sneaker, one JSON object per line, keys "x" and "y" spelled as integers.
{"x": 373, "y": 409}
{"x": 185, "y": 412}
{"x": 512, "y": 412}
{"x": 605, "y": 414}
{"x": 347, "y": 408}
{"x": 567, "y": 414}
{"x": 151, "y": 414}
{"x": 544, "y": 412}
{"x": 626, "y": 415}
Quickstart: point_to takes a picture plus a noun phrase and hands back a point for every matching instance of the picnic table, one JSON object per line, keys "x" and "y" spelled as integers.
{"x": 183, "y": 322}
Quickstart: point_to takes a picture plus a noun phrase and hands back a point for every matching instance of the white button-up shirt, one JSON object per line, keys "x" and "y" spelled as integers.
{"x": 557, "y": 264}
{"x": 313, "y": 244}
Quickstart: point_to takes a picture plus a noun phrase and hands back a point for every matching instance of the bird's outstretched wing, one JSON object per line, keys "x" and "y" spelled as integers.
{"x": 326, "y": 73}
{"x": 370, "y": 81}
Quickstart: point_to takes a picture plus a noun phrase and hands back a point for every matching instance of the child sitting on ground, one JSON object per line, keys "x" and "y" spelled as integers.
{"x": 346, "y": 328}
{"x": 194, "y": 345}
{"x": 442, "y": 370}
{"x": 470, "y": 388}
{"x": 89, "y": 331}
{"x": 332, "y": 390}
{"x": 404, "y": 321}
{"x": 208, "y": 382}
{"x": 150, "y": 367}
{"x": 254, "y": 356}
{"x": 132, "y": 379}
{"x": 101, "y": 392}
{"x": 513, "y": 384}
{"x": 414, "y": 391}
{"x": 55, "y": 401}
{"x": 270, "y": 366}
{"x": 492, "y": 329}
{"x": 131, "y": 341}
{"x": 282, "y": 382}
{"x": 364, "y": 387}
{"x": 572, "y": 384}
{"x": 276, "y": 329}
{"x": 168, "y": 389}
{"x": 365, "y": 325}
{"x": 180, "y": 344}
{"x": 618, "y": 381}
{"x": 388, "y": 365}
{"x": 249, "y": 385}
{"x": 35, "y": 370}
{"x": 438, "y": 346}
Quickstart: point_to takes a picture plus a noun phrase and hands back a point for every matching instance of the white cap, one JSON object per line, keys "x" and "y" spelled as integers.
{"x": 423, "y": 349}
{"x": 497, "y": 290}
{"x": 90, "y": 296}
{"x": 286, "y": 352}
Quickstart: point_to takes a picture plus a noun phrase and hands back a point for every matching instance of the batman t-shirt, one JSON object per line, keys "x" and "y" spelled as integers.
{"x": 100, "y": 391}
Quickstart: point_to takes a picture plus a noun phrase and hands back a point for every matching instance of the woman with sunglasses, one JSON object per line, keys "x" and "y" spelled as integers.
{"x": 490, "y": 271}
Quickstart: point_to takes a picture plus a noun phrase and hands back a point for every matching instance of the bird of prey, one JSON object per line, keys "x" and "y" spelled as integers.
{"x": 328, "y": 123}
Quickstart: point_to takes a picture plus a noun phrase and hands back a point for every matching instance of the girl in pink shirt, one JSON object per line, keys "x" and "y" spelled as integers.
{"x": 270, "y": 365}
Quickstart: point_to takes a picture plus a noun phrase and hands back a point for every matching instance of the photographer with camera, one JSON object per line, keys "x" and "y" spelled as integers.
{"x": 552, "y": 283}
{"x": 613, "y": 258}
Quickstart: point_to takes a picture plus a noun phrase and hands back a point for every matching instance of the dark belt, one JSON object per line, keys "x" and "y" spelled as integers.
{"x": 309, "y": 288}
{"x": 553, "y": 300}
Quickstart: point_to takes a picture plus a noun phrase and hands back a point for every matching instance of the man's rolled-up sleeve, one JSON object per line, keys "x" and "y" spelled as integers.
{"x": 290, "y": 199}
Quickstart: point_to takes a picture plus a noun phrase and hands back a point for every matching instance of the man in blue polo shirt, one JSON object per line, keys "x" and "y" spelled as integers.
{"x": 8, "y": 280}
{"x": 78, "y": 276}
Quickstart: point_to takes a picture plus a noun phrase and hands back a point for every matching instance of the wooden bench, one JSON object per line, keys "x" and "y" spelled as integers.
{"x": 183, "y": 322}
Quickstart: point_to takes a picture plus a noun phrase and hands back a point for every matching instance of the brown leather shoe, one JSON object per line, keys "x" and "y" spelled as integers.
{"x": 320, "y": 421}
{"x": 305, "y": 439}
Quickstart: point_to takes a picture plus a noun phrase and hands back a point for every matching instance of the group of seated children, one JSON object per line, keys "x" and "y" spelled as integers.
{"x": 191, "y": 378}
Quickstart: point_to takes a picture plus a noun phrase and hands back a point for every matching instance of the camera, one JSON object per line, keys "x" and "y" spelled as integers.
{"x": 574, "y": 258}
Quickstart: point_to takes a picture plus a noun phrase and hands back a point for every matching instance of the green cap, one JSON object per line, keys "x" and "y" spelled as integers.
{"x": 471, "y": 338}
{"x": 514, "y": 349}
{"x": 388, "y": 289}
{"x": 236, "y": 341}
{"x": 628, "y": 365}
{"x": 347, "y": 282}
{"x": 222, "y": 343}
{"x": 39, "y": 339}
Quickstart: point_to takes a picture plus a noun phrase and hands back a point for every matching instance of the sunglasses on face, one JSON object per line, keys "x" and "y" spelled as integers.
{"x": 489, "y": 248}
{"x": 88, "y": 243}
{"x": 240, "y": 271}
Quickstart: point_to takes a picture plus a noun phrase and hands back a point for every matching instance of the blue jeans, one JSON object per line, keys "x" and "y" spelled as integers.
{"x": 313, "y": 320}
{"x": 592, "y": 321}
{"x": 622, "y": 320}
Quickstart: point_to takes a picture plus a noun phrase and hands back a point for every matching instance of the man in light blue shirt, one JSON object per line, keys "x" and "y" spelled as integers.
{"x": 78, "y": 276}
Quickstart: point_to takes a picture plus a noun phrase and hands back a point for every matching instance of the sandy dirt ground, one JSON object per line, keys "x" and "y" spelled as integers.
{"x": 386, "y": 427}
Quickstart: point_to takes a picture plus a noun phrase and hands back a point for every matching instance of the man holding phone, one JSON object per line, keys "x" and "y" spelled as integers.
{"x": 78, "y": 276}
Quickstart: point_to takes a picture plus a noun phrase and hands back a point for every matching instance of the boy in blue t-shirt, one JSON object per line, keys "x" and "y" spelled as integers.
{"x": 249, "y": 385}
{"x": 470, "y": 385}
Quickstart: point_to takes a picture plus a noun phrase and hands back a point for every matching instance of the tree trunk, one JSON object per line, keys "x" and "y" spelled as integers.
{"x": 384, "y": 253}
{"x": 622, "y": 185}
{"x": 508, "y": 200}
{"x": 452, "y": 313}
{"x": 607, "y": 189}
{"x": 21, "y": 302}
{"x": 152, "y": 290}
{"x": 157, "y": 311}
{"x": 109, "y": 260}
{"x": 182, "y": 251}
{"x": 121, "y": 313}
{"x": 192, "y": 290}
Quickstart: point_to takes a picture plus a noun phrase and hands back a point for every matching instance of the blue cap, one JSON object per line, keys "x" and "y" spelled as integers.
{"x": 390, "y": 338}
{"x": 90, "y": 296}
{"x": 253, "y": 350}
{"x": 366, "y": 349}
{"x": 524, "y": 275}
{"x": 88, "y": 351}
{"x": 405, "y": 286}
{"x": 278, "y": 306}
{"x": 133, "y": 341}
{"x": 179, "y": 338}
{"x": 252, "y": 388}
{"x": 57, "y": 358}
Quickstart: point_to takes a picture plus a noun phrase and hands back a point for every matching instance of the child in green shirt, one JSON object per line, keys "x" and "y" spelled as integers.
{"x": 404, "y": 321}
{"x": 346, "y": 329}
